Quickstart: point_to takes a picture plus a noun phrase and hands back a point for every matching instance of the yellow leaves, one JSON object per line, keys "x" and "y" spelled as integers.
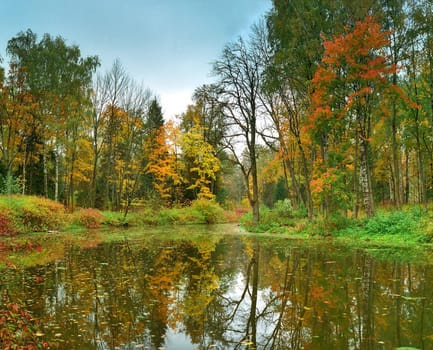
{"x": 205, "y": 163}
{"x": 163, "y": 162}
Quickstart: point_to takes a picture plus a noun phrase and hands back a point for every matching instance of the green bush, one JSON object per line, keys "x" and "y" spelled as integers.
{"x": 330, "y": 225}
{"x": 268, "y": 221}
{"x": 10, "y": 185}
{"x": 411, "y": 224}
{"x": 208, "y": 210}
{"x": 283, "y": 209}
{"x": 395, "y": 222}
{"x": 168, "y": 216}
{"x": 112, "y": 218}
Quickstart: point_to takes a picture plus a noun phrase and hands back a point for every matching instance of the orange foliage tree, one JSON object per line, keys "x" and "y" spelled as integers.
{"x": 351, "y": 80}
{"x": 163, "y": 162}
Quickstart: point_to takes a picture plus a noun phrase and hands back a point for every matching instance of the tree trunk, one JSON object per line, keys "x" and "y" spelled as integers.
{"x": 94, "y": 169}
{"x": 365, "y": 178}
{"x": 430, "y": 59}
{"x": 306, "y": 174}
{"x": 24, "y": 173}
{"x": 45, "y": 166}
{"x": 288, "y": 165}
{"x": 395, "y": 158}
{"x": 56, "y": 184}
{"x": 407, "y": 185}
{"x": 255, "y": 195}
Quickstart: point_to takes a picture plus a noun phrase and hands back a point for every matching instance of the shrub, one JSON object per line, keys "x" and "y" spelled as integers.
{"x": 168, "y": 216}
{"x": 394, "y": 222}
{"x": 10, "y": 185}
{"x": 330, "y": 225}
{"x": 208, "y": 210}
{"x": 33, "y": 214}
{"x": 283, "y": 209}
{"x": 89, "y": 218}
{"x": 7, "y": 227}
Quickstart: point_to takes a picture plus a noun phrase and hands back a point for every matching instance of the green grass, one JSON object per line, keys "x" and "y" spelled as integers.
{"x": 411, "y": 226}
{"x": 26, "y": 214}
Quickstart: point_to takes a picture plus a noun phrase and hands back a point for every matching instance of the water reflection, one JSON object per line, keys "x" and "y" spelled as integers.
{"x": 227, "y": 292}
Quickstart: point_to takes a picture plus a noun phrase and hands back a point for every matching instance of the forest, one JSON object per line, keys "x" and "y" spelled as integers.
{"x": 327, "y": 104}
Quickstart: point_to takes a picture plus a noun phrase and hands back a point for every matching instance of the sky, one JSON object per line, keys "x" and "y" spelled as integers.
{"x": 167, "y": 45}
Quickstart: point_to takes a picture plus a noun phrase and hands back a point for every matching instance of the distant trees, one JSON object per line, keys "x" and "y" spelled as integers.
{"x": 57, "y": 79}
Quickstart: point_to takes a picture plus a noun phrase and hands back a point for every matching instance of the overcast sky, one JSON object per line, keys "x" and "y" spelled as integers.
{"x": 167, "y": 45}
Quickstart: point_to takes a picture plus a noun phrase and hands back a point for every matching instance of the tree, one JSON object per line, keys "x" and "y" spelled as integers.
{"x": 163, "y": 163}
{"x": 116, "y": 83}
{"x": 201, "y": 157}
{"x": 153, "y": 124}
{"x": 16, "y": 123}
{"x": 351, "y": 79}
{"x": 239, "y": 71}
{"x": 58, "y": 77}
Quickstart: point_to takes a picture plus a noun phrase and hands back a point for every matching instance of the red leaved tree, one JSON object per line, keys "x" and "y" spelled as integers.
{"x": 350, "y": 82}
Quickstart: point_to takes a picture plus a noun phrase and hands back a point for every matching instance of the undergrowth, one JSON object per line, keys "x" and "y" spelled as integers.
{"x": 412, "y": 224}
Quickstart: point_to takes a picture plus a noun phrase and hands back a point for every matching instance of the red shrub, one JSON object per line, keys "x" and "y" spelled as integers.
{"x": 6, "y": 225}
{"x": 89, "y": 218}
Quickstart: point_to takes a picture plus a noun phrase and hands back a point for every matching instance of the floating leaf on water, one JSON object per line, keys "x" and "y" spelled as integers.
{"x": 411, "y": 298}
{"x": 247, "y": 343}
{"x": 39, "y": 334}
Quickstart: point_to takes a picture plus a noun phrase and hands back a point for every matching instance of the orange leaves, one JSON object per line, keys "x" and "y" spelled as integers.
{"x": 163, "y": 163}
{"x": 353, "y": 68}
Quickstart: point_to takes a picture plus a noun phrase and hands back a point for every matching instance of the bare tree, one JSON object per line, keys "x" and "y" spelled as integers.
{"x": 239, "y": 70}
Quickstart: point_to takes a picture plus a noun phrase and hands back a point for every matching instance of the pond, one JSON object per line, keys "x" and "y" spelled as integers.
{"x": 216, "y": 288}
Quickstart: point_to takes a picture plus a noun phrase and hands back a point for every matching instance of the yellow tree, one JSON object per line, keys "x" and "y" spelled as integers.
{"x": 163, "y": 162}
{"x": 204, "y": 163}
{"x": 16, "y": 122}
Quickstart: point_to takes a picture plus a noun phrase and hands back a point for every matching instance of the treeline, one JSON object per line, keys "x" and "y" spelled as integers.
{"x": 342, "y": 93}
{"x": 92, "y": 140}
{"x": 327, "y": 103}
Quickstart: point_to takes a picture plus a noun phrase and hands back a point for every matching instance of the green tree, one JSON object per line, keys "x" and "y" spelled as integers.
{"x": 154, "y": 121}
{"x": 58, "y": 77}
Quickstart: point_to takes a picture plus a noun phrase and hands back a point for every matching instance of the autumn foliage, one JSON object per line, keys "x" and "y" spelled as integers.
{"x": 347, "y": 87}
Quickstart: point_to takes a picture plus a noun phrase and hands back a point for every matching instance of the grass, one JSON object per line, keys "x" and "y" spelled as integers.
{"x": 412, "y": 225}
{"x": 27, "y": 214}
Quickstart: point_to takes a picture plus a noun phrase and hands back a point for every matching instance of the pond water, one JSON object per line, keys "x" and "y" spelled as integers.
{"x": 207, "y": 288}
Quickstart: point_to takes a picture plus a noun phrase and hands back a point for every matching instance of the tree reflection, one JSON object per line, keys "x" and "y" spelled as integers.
{"x": 227, "y": 292}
